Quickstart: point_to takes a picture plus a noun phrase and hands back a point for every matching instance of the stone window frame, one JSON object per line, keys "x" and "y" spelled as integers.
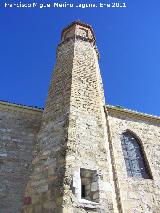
{"x": 143, "y": 156}
{"x": 92, "y": 176}
{"x": 76, "y": 188}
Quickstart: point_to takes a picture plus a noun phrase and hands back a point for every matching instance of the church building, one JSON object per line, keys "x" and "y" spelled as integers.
{"x": 78, "y": 155}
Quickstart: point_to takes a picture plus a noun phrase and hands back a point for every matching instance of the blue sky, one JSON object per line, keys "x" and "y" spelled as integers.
{"x": 128, "y": 40}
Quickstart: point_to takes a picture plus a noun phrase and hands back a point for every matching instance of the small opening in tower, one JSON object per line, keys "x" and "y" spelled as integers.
{"x": 89, "y": 185}
{"x": 83, "y": 191}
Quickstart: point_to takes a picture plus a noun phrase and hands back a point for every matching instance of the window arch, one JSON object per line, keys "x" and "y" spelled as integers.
{"x": 134, "y": 156}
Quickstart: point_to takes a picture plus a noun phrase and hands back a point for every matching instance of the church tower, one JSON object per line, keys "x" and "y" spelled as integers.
{"x": 71, "y": 171}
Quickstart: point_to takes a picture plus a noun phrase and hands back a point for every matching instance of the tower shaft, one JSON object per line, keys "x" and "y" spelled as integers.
{"x": 71, "y": 172}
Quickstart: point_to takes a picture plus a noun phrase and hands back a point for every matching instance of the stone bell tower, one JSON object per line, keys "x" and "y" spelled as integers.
{"x": 71, "y": 170}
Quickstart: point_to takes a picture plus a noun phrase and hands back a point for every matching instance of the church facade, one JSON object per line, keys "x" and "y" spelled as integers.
{"x": 78, "y": 155}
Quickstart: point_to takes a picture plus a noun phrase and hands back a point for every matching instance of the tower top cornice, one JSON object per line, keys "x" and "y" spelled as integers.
{"x": 78, "y": 29}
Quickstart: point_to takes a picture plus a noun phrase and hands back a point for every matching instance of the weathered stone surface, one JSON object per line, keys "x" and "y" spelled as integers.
{"x": 136, "y": 194}
{"x": 73, "y": 128}
{"x": 18, "y": 130}
{"x": 69, "y": 158}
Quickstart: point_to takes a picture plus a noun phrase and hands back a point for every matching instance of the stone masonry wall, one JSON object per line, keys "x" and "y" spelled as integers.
{"x": 136, "y": 194}
{"x": 87, "y": 139}
{"x": 46, "y": 185}
{"x": 73, "y": 135}
{"x": 70, "y": 159}
{"x": 18, "y": 128}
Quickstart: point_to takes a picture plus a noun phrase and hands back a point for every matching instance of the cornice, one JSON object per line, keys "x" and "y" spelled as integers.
{"x": 77, "y": 37}
{"x": 7, "y": 106}
{"x": 132, "y": 113}
{"x": 78, "y": 23}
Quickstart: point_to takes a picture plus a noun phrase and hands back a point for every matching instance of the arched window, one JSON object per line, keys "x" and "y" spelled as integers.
{"x": 135, "y": 161}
